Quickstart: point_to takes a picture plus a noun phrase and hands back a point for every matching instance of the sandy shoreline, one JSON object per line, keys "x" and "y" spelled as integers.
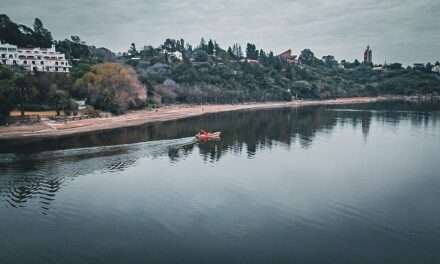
{"x": 137, "y": 118}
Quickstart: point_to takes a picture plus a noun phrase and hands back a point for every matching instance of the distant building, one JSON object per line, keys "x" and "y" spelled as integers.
{"x": 34, "y": 59}
{"x": 419, "y": 66}
{"x": 368, "y": 55}
{"x": 287, "y": 56}
{"x": 245, "y": 60}
{"x": 436, "y": 69}
{"x": 378, "y": 68}
{"x": 173, "y": 55}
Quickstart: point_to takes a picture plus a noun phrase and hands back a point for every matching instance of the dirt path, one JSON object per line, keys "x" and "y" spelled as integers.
{"x": 136, "y": 118}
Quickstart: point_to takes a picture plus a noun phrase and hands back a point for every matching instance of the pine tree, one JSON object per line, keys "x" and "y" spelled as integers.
{"x": 210, "y": 48}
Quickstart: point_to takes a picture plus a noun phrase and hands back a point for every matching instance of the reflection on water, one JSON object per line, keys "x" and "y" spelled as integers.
{"x": 315, "y": 185}
{"x": 39, "y": 175}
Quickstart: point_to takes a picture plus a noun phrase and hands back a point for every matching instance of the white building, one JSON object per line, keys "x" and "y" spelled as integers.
{"x": 436, "y": 69}
{"x": 173, "y": 55}
{"x": 34, "y": 59}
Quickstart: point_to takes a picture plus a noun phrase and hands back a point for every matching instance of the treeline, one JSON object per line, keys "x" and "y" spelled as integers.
{"x": 178, "y": 72}
{"x": 209, "y": 73}
{"x": 24, "y": 36}
{"x": 22, "y": 90}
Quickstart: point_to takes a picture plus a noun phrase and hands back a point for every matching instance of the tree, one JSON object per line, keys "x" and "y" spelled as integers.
{"x": 24, "y": 91}
{"x": 262, "y": 54}
{"x": 429, "y": 67}
{"x": 24, "y": 36}
{"x": 330, "y": 61}
{"x": 171, "y": 45}
{"x": 236, "y": 51}
{"x": 200, "y": 56}
{"x": 113, "y": 87}
{"x": 251, "y": 51}
{"x": 210, "y": 48}
{"x": 42, "y": 36}
{"x": 7, "y": 92}
{"x": 74, "y": 49}
{"x": 394, "y": 66}
{"x": 356, "y": 63}
{"x": 231, "y": 53}
{"x": 58, "y": 99}
{"x": 75, "y": 39}
{"x": 133, "y": 51}
{"x": 202, "y": 44}
{"x": 38, "y": 25}
{"x": 307, "y": 57}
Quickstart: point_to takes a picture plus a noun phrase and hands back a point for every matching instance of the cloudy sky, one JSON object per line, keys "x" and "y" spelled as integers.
{"x": 398, "y": 30}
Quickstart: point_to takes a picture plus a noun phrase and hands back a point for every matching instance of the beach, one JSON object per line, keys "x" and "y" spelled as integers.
{"x": 47, "y": 129}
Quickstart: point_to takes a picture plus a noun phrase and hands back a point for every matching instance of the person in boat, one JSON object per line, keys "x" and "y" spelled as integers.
{"x": 203, "y": 132}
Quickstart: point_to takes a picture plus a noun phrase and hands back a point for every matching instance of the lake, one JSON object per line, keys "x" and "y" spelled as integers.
{"x": 341, "y": 184}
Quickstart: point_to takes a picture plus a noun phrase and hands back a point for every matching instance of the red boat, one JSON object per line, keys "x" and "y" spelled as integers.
{"x": 205, "y": 136}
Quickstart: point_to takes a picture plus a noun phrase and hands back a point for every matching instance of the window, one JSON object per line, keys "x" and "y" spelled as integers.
{"x": 24, "y": 62}
{"x": 39, "y": 57}
{"x": 3, "y": 56}
{"x": 3, "y": 49}
{"x": 14, "y": 62}
{"x": 56, "y": 63}
{"x": 10, "y": 56}
{"x": 42, "y": 62}
{"x": 56, "y": 68}
{"x": 4, "y": 61}
{"x": 33, "y": 62}
{"x": 64, "y": 68}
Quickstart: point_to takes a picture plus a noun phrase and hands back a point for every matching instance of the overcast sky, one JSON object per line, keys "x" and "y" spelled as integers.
{"x": 398, "y": 30}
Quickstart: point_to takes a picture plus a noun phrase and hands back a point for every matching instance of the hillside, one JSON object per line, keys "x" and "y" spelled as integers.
{"x": 177, "y": 72}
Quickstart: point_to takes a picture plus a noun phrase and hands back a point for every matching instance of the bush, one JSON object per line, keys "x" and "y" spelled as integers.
{"x": 113, "y": 87}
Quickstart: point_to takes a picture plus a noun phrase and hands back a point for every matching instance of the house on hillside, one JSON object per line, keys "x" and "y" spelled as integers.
{"x": 245, "y": 60}
{"x": 419, "y": 66}
{"x": 436, "y": 69}
{"x": 173, "y": 55}
{"x": 378, "y": 67}
{"x": 34, "y": 59}
{"x": 287, "y": 56}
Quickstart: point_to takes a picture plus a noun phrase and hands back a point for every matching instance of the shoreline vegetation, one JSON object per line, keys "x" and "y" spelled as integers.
{"x": 176, "y": 80}
{"x": 179, "y": 73}
{"x": 46, "y": 129}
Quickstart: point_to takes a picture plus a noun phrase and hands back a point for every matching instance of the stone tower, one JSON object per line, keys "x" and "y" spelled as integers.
{"x": 368, "y": 56}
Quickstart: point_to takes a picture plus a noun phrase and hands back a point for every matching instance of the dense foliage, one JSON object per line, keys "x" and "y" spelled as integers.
{"x": 210, "y": 74}
{"x": 112, "y": 87}
{"x": 38, "y": 91}
{"x": 24, "y": 36}
{"x": 177, "y": 72}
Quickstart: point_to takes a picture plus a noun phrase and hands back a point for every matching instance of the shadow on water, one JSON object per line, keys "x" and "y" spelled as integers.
{"x": 243, "y": 132}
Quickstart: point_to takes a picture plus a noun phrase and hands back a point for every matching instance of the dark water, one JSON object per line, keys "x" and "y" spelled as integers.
{"x": 352, "y": 184}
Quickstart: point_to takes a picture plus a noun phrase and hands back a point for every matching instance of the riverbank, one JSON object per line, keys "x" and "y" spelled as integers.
{"x": 47, "y": 129}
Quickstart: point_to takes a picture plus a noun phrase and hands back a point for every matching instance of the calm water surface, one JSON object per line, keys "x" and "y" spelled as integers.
{"x": 352, "y": 184}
